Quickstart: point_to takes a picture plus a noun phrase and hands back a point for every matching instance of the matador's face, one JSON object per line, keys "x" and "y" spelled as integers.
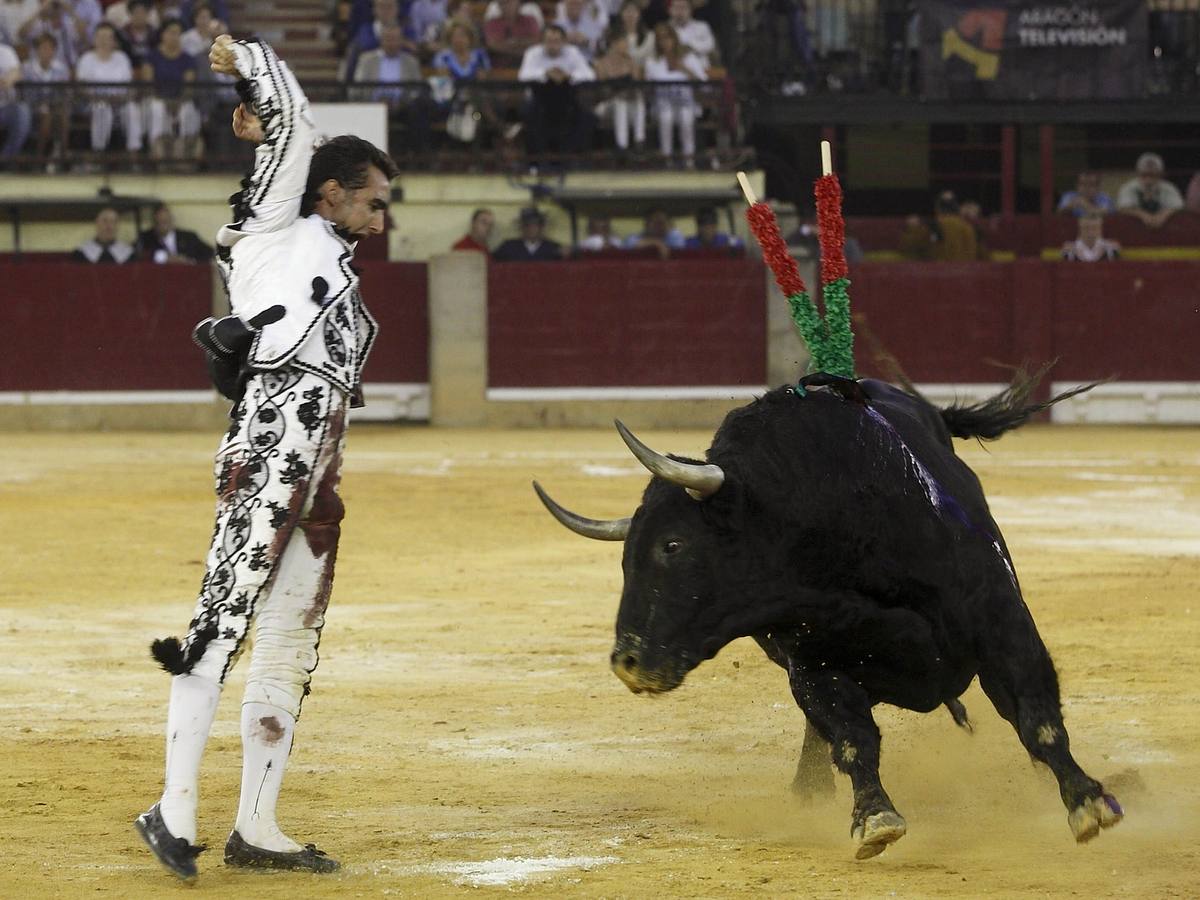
{"x": 361, "y": 211}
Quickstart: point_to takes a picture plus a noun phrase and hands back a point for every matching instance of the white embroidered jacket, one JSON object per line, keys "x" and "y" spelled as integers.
{"x": 270, "y": 255}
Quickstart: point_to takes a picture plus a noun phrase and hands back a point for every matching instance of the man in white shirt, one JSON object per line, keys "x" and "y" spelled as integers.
{"x": 554, "y": 118}
{"x": 1148, "y": 196}
{"x": 695, "y": 35}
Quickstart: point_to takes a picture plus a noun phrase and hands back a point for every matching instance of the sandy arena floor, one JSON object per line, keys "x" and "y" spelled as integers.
{"x": 465, "y": 737}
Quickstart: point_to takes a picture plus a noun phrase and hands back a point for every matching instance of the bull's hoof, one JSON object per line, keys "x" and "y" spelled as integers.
{"x": 877, "y": 832}
{"x": 1089, "y": 817}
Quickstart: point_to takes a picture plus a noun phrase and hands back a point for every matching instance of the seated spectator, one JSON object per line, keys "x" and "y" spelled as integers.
{"x": 426, "y": 21}
{"x": 1087, "y": 197}
{"x": 138, "y": 35}
{"x": 1148, "y": 196}
{"x": 392, "y": 64}
{"x": 807, "y": 240}
{"x": 14, "y": 14}
{"x": 554, "y": 118}
{"x": 581, "y": 26}
{"x": 174, "y": 120}
{"x": 947, "y": 238}
{"x": 510, "y": 34}
{"x": 627, "y": 105}
{"x": 205, "y": 28}
{"x": 104, "y": 247}
{"x": 695, "y": 36}
{"x": 638, "y": 38}
{"x": 532, "y": 245}
{"x": 674, "y": 105}
{"x": 164, "y": 243}
{"x": 708, "y": 236}
{"x": 1091, "y": 245}
{"x": 16, "y": 121}
{"x": 972, "y": 214}
{"x": 187, "y": 10}
{"x": 49, "y": 106}
{"x": 462, "y": 61}
{"x": 118, "y": 15}
{"x": 369, "y": 36}
{"x": 657, "y": 232}
{"x": 599, "y": 235}
{"x": 58, "y": 19}
{"x": 105, "y": 63}
{"x": 479, "y": 236}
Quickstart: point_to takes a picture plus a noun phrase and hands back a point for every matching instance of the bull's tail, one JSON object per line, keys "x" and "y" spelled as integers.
{"x": 1009, "y": 409}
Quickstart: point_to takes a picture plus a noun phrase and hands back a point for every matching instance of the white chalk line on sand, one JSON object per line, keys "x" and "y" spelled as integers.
{"x": 497, "y": 872}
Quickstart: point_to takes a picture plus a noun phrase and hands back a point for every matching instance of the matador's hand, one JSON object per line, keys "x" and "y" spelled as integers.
{"x": 220, "y": 57}
{"x": 247, "y": 126}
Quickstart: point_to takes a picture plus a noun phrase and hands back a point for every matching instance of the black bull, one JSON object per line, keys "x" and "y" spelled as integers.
{"x": 842, "y": 533}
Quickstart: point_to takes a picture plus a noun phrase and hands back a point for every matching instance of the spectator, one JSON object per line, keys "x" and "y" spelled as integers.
{"x": 392, "y": 64}
{"x": 137, "y": 35}
{"x": 599, "y": 235}
{"x": 369, "y": 36}
{"x": 1091, "y": 245}
{"x": 91, "y": 14}
{"x": 14, "y": 14}
{"x": 58, "y": 19}
{"x": 479, "y": 236}
{"x": 16, "y": 121}
{"x": 972, "y": 214}
{"x": 532, "y": 245}
{"x": 639, "y": 39}
{"x": 629, "y": 103}
{"x": 947, "y": 238}
{"x": 174, "y": 125}
{"x": 708, "y": 237}
{"x": 105, "y": 63}
{"x": 205, "y": 27}
{"x": 1087, "y": 197}
{"x": 118, "y": 15}
{"x": 164, "y": 243}
{"x": 554, "y": 117}
{"x": 49, "y": 105}
{"x": 527, "y": 8}
{"x": 426, "y": 20}
{"x": 695, "y": 36}
{"x": 1148, "y": 196}
{"x": 807, "y": 238}
{"x": 104, "y": 247}
{"x": 674, "y": 104}
{"x": 657, "y": 232}
{"x": 462, "y": 61}
{"x": 581, "y": 26}
{"x": 510, "y": 34}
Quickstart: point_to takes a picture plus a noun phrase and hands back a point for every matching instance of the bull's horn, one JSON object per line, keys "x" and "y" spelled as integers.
{"x": 610, "y": 530}
{"x": 701, "y": 480}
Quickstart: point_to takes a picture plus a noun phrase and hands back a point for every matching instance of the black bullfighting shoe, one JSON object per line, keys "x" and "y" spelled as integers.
{"x": 310, "y": 859}
{"x": 173, "y": 852}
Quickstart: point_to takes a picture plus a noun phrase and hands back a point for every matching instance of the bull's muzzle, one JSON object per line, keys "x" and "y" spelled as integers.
{"x": 627, "y": 664}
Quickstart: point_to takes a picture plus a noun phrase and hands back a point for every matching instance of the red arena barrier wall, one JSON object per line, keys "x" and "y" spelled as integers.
{"x": 627, "y": 323}
{"x": 947, "y": 322}
{"x": 72, "y": 326}
{"x": 397, "y": 295}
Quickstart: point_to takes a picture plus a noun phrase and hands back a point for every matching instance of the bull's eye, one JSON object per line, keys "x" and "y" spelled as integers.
{"x": 672, "y": 547}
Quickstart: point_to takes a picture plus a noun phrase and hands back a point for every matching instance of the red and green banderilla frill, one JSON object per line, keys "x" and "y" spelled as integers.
{"x": 829, "y": 339}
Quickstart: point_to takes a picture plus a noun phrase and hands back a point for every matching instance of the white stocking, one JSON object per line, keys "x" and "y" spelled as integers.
{"x": 189, "y": 719}
{"x": 266, "y": 743}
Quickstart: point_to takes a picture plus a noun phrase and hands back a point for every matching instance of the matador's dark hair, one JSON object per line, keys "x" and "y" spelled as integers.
{"x": 345, "y": 159}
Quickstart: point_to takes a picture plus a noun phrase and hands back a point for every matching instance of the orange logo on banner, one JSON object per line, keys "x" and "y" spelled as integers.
{"x": 978, "y": 39}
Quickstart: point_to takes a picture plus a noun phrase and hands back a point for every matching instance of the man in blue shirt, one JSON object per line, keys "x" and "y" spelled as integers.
{"x": 707, "y": 236}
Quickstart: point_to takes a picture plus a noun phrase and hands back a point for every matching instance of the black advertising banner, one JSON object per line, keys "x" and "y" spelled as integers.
{"x": 1021, "y": 50}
